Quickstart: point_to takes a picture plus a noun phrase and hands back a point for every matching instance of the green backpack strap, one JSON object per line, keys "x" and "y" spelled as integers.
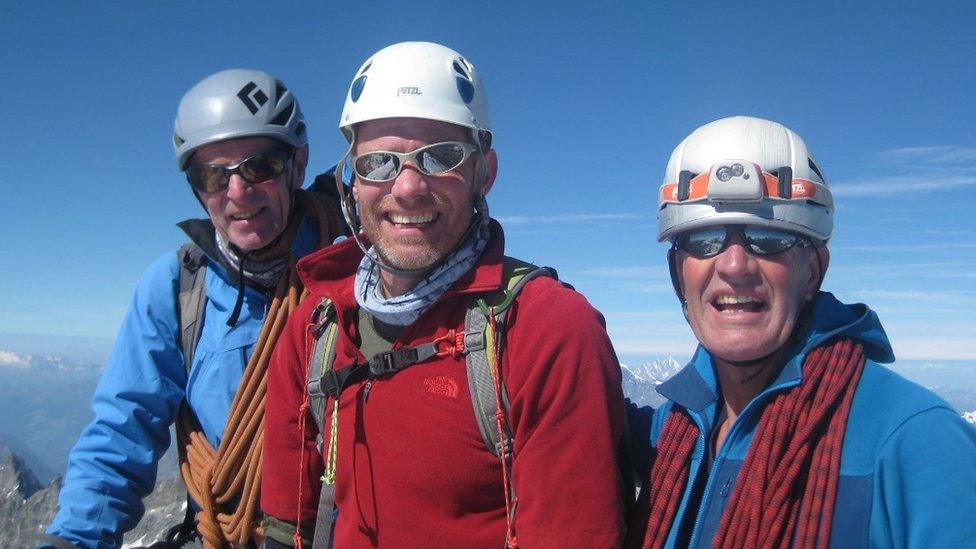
{"x": 325, "y": 330}
{"x": 192, "y": 299}
{"x": 480, "y": 343}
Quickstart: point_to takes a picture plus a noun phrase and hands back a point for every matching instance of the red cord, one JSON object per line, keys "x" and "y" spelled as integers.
{"x": 511, "y": 540}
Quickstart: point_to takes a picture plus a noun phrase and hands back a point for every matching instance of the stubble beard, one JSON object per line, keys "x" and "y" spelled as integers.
{"x": 423, "y": 253}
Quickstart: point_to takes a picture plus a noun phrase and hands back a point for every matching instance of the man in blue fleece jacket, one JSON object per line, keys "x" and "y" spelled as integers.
{"x": 785, "y": 430}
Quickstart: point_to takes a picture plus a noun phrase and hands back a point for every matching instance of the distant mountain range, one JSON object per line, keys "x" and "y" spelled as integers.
{"x": 640, "y": 382}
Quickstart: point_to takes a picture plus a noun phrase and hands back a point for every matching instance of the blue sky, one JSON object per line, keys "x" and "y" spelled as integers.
{"x": 587, "y": 102}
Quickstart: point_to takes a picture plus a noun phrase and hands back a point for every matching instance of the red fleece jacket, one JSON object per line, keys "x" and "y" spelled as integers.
{"x": 412, "y": 467}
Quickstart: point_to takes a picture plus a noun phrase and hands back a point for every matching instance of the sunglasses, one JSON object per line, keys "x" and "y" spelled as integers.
{"x": 711, "y": 241}
{"x": 264, "y": 166}
{"x": 436, "y": 159}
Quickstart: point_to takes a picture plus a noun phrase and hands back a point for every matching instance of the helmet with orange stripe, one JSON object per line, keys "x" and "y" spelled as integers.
{"x": 745, "y": 171}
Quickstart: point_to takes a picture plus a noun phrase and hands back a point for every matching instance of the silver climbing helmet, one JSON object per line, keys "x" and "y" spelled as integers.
{"x": 236, "y": 103}
{"x": 744, "y": 170}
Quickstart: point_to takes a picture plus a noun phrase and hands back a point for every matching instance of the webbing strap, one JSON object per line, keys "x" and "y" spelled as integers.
{"x": 477, "y": 334}
{"x": 325, "y": 518}
{"x": 481, "y": 384}
{"x": 323, "y": 355}
{"x": 192, "y": 299}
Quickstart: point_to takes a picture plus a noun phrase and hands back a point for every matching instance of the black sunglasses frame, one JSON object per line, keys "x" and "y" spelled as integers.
{"x": 285, "y": 156}
{"x": 682, "y": 240}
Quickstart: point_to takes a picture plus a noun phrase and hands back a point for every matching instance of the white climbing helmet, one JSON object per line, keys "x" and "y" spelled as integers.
{"x": 744, "y": 170}
{"x": 236, "y": 103}
{"x": 418, "y": 80}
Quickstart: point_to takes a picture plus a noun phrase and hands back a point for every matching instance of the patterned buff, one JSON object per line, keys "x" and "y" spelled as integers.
{"x": 405, "y": 309}
{"x": 785, "y": 491}
{"x": 264, "y": 273}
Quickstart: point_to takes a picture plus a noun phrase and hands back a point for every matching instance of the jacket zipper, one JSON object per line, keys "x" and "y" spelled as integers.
{"x": 733, "y": 434}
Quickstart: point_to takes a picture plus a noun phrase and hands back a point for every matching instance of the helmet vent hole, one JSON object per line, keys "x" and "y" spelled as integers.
{"x": 461, "y": 70}
{"x": 280, "y": 90}
{"x": 284, "y": 116}
{"x": 357, "y": 88}
{"x": 366, "y": 68}
{"x": 300, "y": 129}
{"x": 815, "y": 169}
{"x": 178, "y": 141}
{"x": 465, "y": 88}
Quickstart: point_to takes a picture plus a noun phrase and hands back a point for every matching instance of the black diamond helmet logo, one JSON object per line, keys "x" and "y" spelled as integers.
{"x": 252, "y": 96}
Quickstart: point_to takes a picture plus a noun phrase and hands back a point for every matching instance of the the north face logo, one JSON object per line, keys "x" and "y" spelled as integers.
{"x": 441, "y": 385}
{"x": 253, "y": 101}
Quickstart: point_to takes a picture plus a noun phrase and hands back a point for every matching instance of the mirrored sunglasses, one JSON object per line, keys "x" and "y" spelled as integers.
{"x": 711, "y": 241}
{"x": 264, "y": 166}
{"x": 436, "y": 159}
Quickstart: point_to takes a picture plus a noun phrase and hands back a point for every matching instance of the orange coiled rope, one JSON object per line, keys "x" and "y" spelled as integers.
{"x": 226, "y": 482}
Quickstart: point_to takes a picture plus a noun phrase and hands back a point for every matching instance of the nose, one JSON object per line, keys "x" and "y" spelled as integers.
{"x": 409, "y": 184}
{"x": 237, "y": 187}
{"x": 735, "y": 261}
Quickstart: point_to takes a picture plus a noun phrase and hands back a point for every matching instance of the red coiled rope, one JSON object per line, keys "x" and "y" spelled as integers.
{"x": 787, "y": 486}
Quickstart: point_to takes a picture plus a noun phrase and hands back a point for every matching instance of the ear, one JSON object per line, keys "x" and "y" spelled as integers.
{"x": 819, "y": 260}
{"x": 298, "y": 169}
{"x": 490, "y": 170}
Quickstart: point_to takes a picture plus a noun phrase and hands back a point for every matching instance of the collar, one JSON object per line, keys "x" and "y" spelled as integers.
{"x": 203, "y": 233}
{"x": 695, "y": 387}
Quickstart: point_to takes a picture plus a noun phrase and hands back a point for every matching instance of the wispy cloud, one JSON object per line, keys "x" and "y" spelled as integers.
{"x": 567, "y": 218}
{"x": 903, "y": 184}
{"x": 908, "y": 247}
{"x": 914, "y": 169}
{"x": 918, "y": 296}
{"x": 937, "y": 154}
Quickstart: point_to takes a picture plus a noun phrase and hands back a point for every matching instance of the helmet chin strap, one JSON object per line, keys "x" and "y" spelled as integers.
{"x": 352, "y": 219}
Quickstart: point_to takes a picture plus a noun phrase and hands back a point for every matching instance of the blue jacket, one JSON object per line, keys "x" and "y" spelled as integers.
{"x": 908, "y": 464}
{"x": 113, "y": 465}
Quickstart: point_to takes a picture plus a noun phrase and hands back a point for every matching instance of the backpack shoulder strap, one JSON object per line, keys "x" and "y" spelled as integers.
{"x": 480, "y": 342}
{"x": 192, "y": 299}
{"x": 325, "y": 331}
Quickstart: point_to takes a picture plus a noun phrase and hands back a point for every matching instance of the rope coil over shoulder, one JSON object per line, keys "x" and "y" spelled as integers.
{"x": 480, "y": 343}
{"x": 225, "y": 482}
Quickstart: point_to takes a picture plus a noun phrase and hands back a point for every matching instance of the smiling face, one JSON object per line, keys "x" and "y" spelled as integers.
{"x": 742, "y": 306}
{"x": 415, "y": 220}
{"x": 249, "y": 215}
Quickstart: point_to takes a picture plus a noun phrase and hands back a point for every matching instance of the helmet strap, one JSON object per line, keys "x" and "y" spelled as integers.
{"x": 676, "y": 279}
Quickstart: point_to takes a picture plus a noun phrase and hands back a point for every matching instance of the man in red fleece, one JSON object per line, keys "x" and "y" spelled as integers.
{"x": 402, "y": 460}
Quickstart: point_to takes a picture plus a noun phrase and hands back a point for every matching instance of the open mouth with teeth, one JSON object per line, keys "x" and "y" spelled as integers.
{"x": 734, "y": 303}
{"x": 244, "y": 216}
{"x": 418, "y": 221}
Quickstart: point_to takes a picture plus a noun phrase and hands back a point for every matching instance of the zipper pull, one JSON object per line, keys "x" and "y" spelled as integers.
{"x": 367, "y": 388}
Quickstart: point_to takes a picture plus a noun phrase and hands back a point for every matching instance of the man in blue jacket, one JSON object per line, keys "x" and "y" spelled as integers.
{"x": 784, "y": 430}
{"x": 199, "y": 331}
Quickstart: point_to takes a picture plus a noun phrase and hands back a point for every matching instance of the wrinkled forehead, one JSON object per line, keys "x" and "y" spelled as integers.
{"x": 416, "y": 130}
{"x": 233, "y": 150}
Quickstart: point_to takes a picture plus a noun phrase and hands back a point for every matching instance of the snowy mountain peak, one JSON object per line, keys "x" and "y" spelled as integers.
{"x": 10, "y": 359}
{"x": 42, "y": 363}
{"x": 640, "y": 382}
{"x": 655, "y": 372}
{"x": 970, "y": 416}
